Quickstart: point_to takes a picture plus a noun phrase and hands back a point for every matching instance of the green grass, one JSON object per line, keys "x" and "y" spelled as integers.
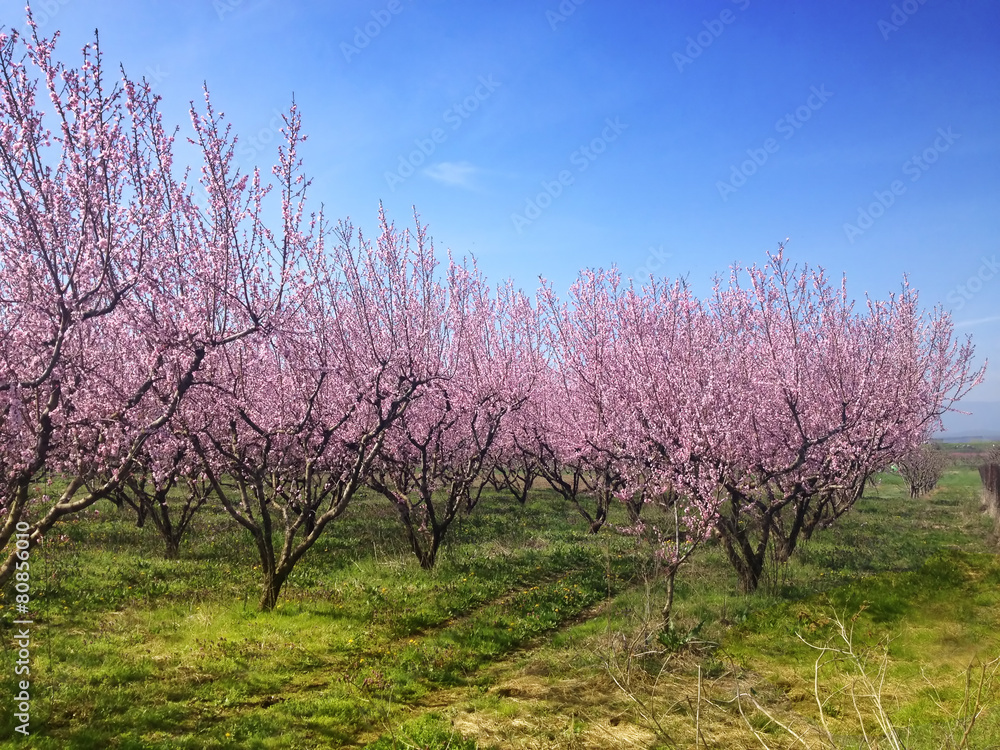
{"x": 504, "y": 644}
{"x": 135, "y": 651}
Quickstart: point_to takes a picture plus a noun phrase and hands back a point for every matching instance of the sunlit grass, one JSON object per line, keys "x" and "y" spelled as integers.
{"x": 502, "y": 644}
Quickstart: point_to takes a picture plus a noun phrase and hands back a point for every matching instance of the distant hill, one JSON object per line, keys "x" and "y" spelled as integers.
{"x": 982, "y": 423}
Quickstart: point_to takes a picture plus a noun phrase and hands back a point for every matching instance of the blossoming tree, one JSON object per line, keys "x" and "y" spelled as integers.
{"x": 115, "y": 289}
{"x": 442, "y": 446}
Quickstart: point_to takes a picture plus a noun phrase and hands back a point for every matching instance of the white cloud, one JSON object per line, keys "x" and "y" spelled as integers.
{"x": 452, "y": 173}
{"x": 977, "y": 321}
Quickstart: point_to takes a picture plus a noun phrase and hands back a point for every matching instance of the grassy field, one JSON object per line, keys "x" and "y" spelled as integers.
{"x": 529, "y": 634}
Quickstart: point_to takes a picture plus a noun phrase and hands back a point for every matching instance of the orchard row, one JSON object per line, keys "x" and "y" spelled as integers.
{"x": 166, "y": 352}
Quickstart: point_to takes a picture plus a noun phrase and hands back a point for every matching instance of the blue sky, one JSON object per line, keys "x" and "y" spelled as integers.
{"x": 678, "y": 138}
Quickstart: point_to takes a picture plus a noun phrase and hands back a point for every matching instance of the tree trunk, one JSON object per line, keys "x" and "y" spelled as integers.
{"x": 172, "y": 548}
{"x": 600, "y": 516}
{"x": 270, "y": 580}
{"x": 786, "y": 542}
{"x": 749, "y": 574}
{"x": 669, "y": 604}
{"x": 634, "y": 508}
{"x": 746, "y": 561}
{"x": 429, "y": 556}
{"x": 141, "y": 510}
{"x": 271, "y": 588}
{"x": 522, "y": 492}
